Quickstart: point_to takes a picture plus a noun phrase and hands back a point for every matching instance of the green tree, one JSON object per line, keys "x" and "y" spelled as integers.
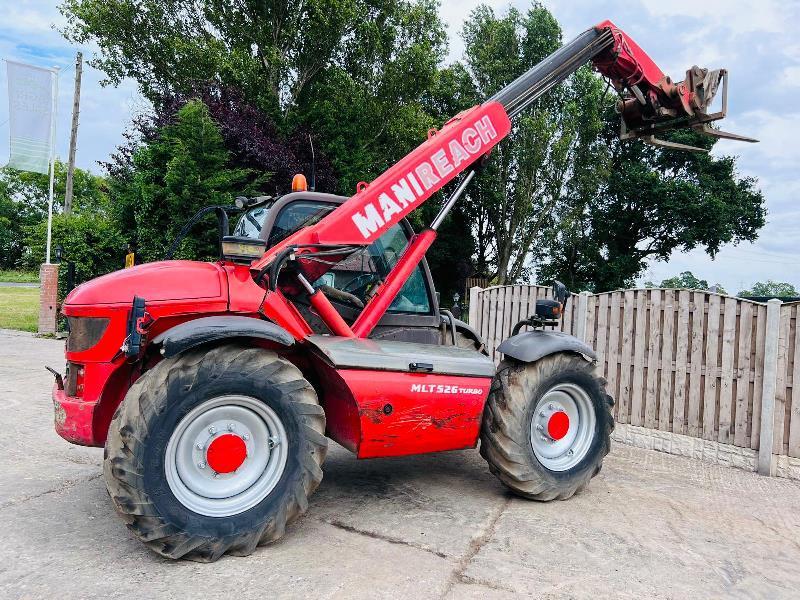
{"x": 90, "y": 240}
{"x": 686, "y": 280}
{"x": 23, "y": 204}
{"x": 368, "y": 106}
{"x": 269, "y": 48}
{"x": 519, "y": 195}
{"x": 185, "y": 168}
{"x": 338, "y": 67}
{"x": 650, "y": 203}
{"x": 770, "y": 288}
{"x": 562, "y": 195}
{"x": 362, "y": 75}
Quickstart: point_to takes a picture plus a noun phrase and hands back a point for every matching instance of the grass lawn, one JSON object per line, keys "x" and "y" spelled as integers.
{"x": 19, "y": 277}
{"x": 19, "y": 308}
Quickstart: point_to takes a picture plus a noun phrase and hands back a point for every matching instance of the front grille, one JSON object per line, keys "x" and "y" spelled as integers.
{"x": 85, "y": 332}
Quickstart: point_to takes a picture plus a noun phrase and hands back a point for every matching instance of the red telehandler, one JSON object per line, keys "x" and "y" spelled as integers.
{"x": 214, "y": 386}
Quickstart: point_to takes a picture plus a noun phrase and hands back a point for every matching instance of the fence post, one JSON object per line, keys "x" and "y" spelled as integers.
{"x": 766, "y": 464}
{"x": 582, "y": 315}
{"x": 474, "y": 309}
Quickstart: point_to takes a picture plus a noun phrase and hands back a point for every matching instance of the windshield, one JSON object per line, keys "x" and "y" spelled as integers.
{"x": 250, "y": 222}
{"x": 364, "y": 269}
{"x": 295, "y": 216}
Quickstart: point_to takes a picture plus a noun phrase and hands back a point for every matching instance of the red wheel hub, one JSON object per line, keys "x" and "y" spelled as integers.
{"x": 226, "y": 453}
{"x": 558, "y": 425}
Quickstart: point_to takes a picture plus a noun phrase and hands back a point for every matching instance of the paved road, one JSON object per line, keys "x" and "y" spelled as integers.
{"x": 15, "y": 284}
{"x": 650, "y": 526}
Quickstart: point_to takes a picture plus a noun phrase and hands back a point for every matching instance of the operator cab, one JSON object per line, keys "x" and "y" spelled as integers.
{"x": 414, "y": 314}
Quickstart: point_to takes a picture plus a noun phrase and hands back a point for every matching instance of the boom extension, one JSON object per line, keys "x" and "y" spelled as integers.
{"x": 650, "y": 104}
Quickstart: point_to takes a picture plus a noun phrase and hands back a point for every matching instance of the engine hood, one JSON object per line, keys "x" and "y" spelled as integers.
{"x": 159, "y": 281}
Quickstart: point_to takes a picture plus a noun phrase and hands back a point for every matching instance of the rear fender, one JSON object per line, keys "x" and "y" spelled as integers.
{"x": 201, "y": 331}
{"x": 531, "y": 346}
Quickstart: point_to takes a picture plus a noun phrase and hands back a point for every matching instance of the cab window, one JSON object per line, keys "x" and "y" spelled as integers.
{"x": 361, "y": 271}
{"x": 295, "y": 216}
{"x": 251, "y": 221}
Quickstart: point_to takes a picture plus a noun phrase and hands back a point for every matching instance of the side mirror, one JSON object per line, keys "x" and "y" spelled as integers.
{"x": 561, "y": 293}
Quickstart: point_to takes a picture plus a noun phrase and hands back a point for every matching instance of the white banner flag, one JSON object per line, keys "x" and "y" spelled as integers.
{"x": 30, "y": 100}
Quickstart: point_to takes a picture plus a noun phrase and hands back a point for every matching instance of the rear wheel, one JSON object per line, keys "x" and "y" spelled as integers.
{"x": 547, "y": 426}
{"x": 215, "y": 451}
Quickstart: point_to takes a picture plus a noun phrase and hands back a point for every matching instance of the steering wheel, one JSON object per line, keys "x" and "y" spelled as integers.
{"x": 358, "y": 285}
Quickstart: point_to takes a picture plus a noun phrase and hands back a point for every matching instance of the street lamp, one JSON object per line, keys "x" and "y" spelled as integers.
{"x": 59, "y": 253}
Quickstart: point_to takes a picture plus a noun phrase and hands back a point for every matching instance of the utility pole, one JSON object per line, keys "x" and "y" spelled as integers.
{"x": 73, "y": 138}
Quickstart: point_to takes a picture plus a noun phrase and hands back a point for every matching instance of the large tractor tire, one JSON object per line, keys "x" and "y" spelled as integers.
{"x": 215, "y": 451}
{"x": 547, "y": 426}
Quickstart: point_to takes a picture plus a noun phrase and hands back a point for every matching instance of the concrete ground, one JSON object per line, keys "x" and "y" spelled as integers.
{"x": 651, "y": 525}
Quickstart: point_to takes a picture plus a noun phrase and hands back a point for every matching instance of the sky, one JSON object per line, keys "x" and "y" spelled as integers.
{"x": 756, "y": 41}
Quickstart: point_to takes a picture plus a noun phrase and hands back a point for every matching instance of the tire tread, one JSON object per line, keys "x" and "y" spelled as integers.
{"x": 505, "y": 437}
{"x": 124, "y": 471}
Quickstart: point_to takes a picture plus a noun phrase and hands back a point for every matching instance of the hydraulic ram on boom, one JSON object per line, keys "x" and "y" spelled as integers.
{"x": 650, "y": 103}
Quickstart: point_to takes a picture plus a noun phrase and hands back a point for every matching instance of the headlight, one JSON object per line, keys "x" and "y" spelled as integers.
{"x": 242, "y": 249}
{"x": 85, "y": 332}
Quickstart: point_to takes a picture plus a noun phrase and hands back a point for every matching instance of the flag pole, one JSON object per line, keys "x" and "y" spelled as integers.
{"x": 52, "y": 161}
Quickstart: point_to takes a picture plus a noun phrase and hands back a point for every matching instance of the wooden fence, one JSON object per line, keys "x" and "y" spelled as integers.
{"x": 689, "y": 362}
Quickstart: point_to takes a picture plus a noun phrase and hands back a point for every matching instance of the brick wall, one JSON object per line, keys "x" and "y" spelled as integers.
{"x": 48, "y": 298}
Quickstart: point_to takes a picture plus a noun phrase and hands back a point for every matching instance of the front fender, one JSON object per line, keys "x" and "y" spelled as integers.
{"x": 534, "y": 345}
{"x": 211, "y": 329}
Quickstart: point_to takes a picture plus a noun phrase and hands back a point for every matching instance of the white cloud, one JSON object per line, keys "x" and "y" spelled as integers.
{"x": 738, "y": 15}
{"x": 30, "y": 35}
{"x": 791, "y": 76}
{"x": 455, "y": 12}
{"x": 776, "y": 157}
{"x": 31, "y": 18}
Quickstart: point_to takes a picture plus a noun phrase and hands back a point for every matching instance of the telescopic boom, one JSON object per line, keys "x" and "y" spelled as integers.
{"x": 650, "y": 103}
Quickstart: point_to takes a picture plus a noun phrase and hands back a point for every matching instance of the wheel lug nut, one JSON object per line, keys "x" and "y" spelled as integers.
{"x": 230, "y": 426}
{"x": 246, "y": 436}
{"x": 199, "y": 446}
{"x": 201, "y": 465}
{"x": 542, "y": 414}
{"x": 539, "y": 428}
{"x": 212, "y": 430}
{"x": 551, "y": 406}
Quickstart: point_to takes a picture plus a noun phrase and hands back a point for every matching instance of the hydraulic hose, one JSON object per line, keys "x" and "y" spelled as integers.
{"x": 222, "y": 218}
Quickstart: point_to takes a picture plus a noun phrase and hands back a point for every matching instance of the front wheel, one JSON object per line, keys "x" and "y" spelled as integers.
{"x": 215, "y": 451}
{"x": 547, "y": 426}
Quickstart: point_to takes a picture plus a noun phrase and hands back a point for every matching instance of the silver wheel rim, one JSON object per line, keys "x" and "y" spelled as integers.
{"x": 194, "y": 482}
{"x": 562, "y": 452}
